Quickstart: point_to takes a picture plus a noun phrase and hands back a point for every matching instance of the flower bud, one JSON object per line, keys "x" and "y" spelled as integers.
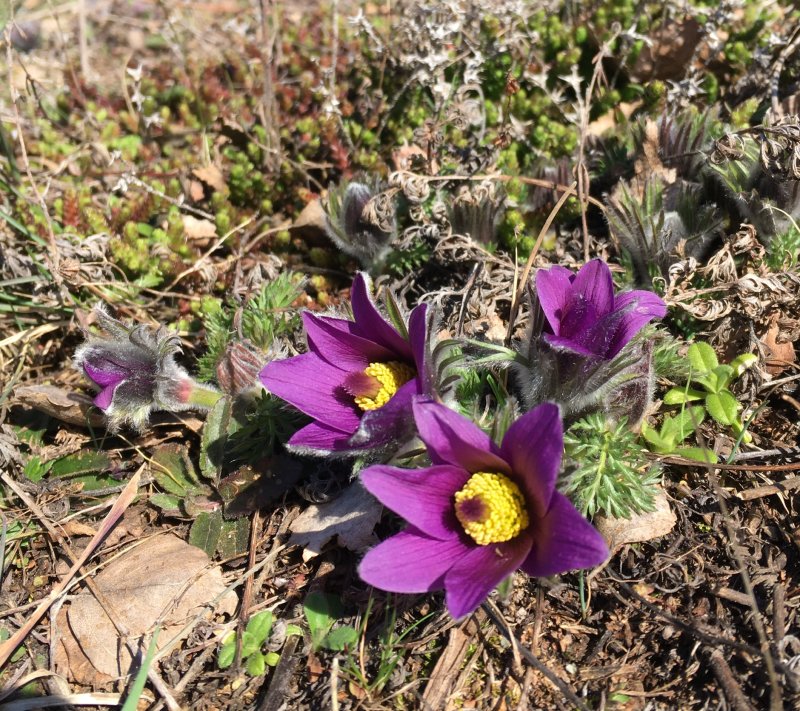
{"x": 135, "y": 369}
{"x": 238, "y": 369}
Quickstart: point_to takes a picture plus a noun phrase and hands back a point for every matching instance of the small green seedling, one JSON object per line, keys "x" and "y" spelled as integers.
{"x": 675, "y": 430}
{"x": 713, "y": 380}
{"x": 321, "y": 611}
{"x": 256, "y": 634}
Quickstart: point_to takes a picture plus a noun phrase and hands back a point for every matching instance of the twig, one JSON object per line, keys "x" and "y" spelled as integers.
{"x": 727, "y": 681}
{"x": 529, "y": 265}
{"x": 568, "y": 693}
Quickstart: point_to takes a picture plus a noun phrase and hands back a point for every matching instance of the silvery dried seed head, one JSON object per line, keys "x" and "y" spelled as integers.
{"x": 360, "y": 221}
{"x": 135, "y": 369}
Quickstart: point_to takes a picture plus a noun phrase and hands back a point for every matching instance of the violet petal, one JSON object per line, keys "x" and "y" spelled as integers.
{"x": 640, "y": 307}
{"x": 566, "y": 343}
{"x": 564, "y": 540}
{"x": 392, "y": 422}
{"x": 411, "y": 562}
{"x": 594, "y": 282}
{"x": 424, "y": 497}
{"x": 104, "y": 397}
{"x": 533, "y": 446}
{"x": 313, "y": 386}
{"x": 369, "y": 322}
{"x": 554, "y": 288}
{"x": 339, "y": 347}
{"x": 453, "y": 439}
{"x": 103, "y": 371}
{"x": 470, "y": 580}
{"x": 318, "y": 436}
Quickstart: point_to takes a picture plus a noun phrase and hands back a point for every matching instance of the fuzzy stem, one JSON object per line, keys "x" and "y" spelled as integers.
{"x": 202, "y": 396}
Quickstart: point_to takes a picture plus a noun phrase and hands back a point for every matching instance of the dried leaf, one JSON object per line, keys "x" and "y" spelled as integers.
{"x": 638, "y": 528}
{"x": 196, "y": 229}
{"x": 163, "y": 580}
{"x": 70, "y": 407}
{"x": 310, "y": 223}
{"x": 351, "y": 517}
{"x": 212, "y": 176}
{"x": 779, "y": 353}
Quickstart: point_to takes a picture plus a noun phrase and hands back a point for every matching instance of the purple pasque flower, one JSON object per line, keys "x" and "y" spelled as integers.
{"x": 357, "y": 380}
{"x": 480, "y": 512}
{"x": 135, "y": 369}
{"x": 583, "y": 314}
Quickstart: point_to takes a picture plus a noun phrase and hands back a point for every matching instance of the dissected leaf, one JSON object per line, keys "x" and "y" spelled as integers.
{"x": 206, "y": 530}
{"x": 351, "y": 518}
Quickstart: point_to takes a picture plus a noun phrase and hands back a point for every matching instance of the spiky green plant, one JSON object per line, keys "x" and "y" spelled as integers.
{"x": 611, "y": 474}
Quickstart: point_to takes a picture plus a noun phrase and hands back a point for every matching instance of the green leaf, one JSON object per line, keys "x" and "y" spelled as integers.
{"x": 700, "y": 454}
{"x": 250, "y": 644}
{"x": 205, "y": 531}
{"x": 723, "y": 407}
{"x": 395, "y": 313}
{"x": 214, "y": 439}
{"x": 227, "y": 652}
{"x": 659, "y": 443}
{"x": 272, "y": 658}
{"x": 678, "y": 428}
{"x": 80, "y": 462}
{"x": 167, "y": 502}
{"x": 702, "y": 357}
{"x": 680, "y": 396}
{"x": 294, "y": 630}
{"x": 234, "y": 538}
{"x": 742, "y": 363}
{"x": 256, "y": 664}
{"x": 260, "y": 625}
{"x": 173, "y": 470}
{"x": 340, "y": 638}
{"x": 321, "y": 611}
{"x": 722, "y": 376}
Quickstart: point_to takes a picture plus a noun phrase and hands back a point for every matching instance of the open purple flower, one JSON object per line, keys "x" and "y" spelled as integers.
{"x": 584, "y": 315}
{"x": 480, "y": 512}
{"x": 357, "y": 380}
{"x": 135, "y": 369}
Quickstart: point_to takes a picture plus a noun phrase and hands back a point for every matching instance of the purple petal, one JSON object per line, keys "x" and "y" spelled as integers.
{"x": 392, "y": 422}
{"x": 370, "y": 324}
{"x": 320, "y": 437}
{"x": 411, "y": 562}
{"x": 533, "y": 446}
{"x": 314, "y": 387}
{"x": 554, "y": 289}
{"x": 104, "y": 372}
{"x": 339, "y": 347}
{"x": 640, "y": 307}
{"x": 564, "y": 540}
{"x": 594, "y": 282}
{"x": 423, "y": 497}
{"x": 564, "y": 343}
{"x": 417, "y": 334}
{"x": 470, "y": 580}
{"x": 577, "y": 317}
{"x": 453, "y": 439}
{"x": 104, "y": 397}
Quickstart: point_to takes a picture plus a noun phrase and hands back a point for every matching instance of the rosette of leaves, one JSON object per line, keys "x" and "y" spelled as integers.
{"x": 360, "y": 220}
{"x": 709, "y": 383}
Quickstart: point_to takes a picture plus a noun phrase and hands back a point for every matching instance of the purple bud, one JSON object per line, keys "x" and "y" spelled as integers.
{"x": 135, "y": 369}
{"x": 238, "y": 369}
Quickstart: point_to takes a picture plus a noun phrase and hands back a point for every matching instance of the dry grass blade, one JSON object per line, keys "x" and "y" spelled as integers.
{"x": 123, "y": 501}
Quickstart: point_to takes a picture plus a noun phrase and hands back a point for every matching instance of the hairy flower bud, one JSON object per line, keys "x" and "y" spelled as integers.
{"x": 238, "y": 369}
{"x": 135, "y": 369}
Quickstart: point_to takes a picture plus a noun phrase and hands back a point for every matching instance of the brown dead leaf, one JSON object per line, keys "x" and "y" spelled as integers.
{"x": 779, "y": 353}
{"x": 310, "y": 223}
{"x": 164, "y": 581}
{"x": 673, "y": 48}
{"x": 71, "y": 407}
{"x": 196, "y": 191}
{"x": 212, "y": 176}
{"x": 638, "y": 528}
{"x": 351, "y": 517}
{"x": 198, "y": 230}
{"x": 649, "y": 164}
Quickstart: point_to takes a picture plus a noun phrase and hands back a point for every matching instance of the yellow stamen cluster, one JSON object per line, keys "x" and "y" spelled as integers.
{"x": 501, "y": 506}
{"x": 390, "y": 376}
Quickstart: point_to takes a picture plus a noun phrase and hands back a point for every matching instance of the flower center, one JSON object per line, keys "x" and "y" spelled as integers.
{"x": 491, "y": 508}
{"x": 385, "y": 379}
